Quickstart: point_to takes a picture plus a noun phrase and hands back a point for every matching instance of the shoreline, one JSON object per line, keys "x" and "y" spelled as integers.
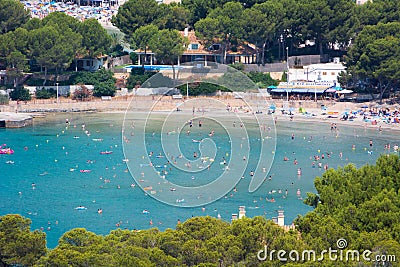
{"x": 165, "y": 104}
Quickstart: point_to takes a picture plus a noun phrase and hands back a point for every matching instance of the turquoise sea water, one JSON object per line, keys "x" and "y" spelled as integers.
{"x": 44, "y": 181}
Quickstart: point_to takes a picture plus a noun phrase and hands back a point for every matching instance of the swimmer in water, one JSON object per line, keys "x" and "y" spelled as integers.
{"x": 299, "y": 172}
{"x": 298, "y": 193}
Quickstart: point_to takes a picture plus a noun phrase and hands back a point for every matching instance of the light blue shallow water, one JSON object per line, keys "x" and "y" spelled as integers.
{"x": 50, "y": 156}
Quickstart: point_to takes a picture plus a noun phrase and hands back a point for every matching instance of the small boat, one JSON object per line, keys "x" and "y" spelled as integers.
{"x": 125, "y": 160}
{"x": 10, "y": 162}
{"x": 80, "y": 208}
{"x": 85, "y": 171}
{"x": 148, "y": 188}
{"x": 106, "y": 152}
{"x": 196, "y": 141}
{"x": 145, "y": 211}
{"x": 6, "y": 151}
{"x": 180, "y": 200}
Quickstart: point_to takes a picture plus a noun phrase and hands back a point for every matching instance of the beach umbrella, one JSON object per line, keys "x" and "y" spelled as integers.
{"x": 364, "y": 106}
{"x": 272, "y": 107}
{"x": 345, "y": 91}
{"x": 330, "y": 90}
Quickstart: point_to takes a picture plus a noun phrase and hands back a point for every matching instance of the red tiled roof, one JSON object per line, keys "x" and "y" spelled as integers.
{"x": 245, "y": 49}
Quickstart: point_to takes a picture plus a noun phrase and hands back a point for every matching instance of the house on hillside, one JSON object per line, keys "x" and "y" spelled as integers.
{"x": 195, "y": 51}
{"x": 90, "y": 64}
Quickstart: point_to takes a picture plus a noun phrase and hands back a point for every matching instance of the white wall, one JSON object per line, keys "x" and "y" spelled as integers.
{"x": 317, "y": 72}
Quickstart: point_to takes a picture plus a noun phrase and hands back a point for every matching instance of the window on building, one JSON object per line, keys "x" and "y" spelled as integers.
{"x": 324, "y": 73}
{"x": 194, "y": 46}
{"x": 333, "y": 73}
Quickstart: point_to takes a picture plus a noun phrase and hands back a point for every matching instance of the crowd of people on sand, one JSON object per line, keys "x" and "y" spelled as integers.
{"x": 40, "y": 9}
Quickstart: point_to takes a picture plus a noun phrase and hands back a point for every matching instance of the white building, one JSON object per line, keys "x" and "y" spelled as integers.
{"x": 327, "y": 72}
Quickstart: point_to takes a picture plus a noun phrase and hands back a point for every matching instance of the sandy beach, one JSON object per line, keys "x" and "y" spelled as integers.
{"x": 369, "y": 115}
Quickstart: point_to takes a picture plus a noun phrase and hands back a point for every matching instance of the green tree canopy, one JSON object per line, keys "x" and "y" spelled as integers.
{"x": 374, "y": 59}
{"x": 173, "y": 16}
{"x": 62, "y": 20}
{"x": 19, "y": 246}
{"x": 102, "y": 79}
{"x": 223, "y": 25}
{"x": 12, "y": 15}
{"x": 351, "y": 203}
{"x": 141, "y": 38}
{"x": 201, "y": 8}
{"x": 168, "y": 46}
{"x": 135, "y": 14}
{"x": 95, "y": 39}
{"x": 51, "y": 49}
